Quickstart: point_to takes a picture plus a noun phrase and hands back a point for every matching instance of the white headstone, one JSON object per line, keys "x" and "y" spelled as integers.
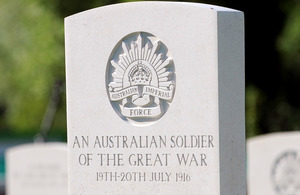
{"x": 274, "y": 164}
{"x": 155, "y": 97}
{"x": 37, "y": 169}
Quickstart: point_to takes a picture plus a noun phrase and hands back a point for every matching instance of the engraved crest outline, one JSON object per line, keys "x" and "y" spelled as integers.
{"x": 285, "y": 173}
{"x": 140, "y": 78}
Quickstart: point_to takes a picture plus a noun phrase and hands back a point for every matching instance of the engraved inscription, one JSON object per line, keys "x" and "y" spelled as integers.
{"x": 286, "y": 173}
{"x": 41, "y": 175}
{"x": 140, "y": 78}
{"x": 133, "y": 158}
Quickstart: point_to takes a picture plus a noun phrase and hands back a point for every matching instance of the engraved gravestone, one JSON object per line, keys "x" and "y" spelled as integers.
{"x": 155, "y": 97}
{"x": 274, "y": 164}
{"x": 35, "y": 169}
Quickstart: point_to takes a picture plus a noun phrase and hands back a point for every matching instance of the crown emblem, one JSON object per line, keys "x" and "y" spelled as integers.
{"x": 140, "y": 77}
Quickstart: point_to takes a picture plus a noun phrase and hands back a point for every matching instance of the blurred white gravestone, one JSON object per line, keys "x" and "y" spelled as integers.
{"x": 155, "y": 97}
{"x": 35, "y": 169}
{"x": 274, "y": 164}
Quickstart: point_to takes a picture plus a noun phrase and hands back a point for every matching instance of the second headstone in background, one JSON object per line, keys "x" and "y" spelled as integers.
{"x": 155, "y": 97}
{"x": 35, "y": 169}
{"x": 274, "y": 164}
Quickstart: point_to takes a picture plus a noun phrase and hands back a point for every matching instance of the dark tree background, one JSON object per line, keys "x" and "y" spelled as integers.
{"x": 32, "y": 60}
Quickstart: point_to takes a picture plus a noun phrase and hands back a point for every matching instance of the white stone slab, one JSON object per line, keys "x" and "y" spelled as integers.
{"x": 37, "y": 169}
{"x": 274, "y": 164}
{"x": 149, "y": 83}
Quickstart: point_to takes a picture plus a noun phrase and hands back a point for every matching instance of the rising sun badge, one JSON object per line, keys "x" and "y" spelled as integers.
{"x": 140, "y": 78}
{"x": 286, "y": 173}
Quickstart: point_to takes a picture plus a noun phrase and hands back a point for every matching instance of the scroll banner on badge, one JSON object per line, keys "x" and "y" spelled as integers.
{"x": 124, "y": 93}
{"x": 141, "y": 112}
{"x": 147, "y": 90}
{"x": 157, "y": 92}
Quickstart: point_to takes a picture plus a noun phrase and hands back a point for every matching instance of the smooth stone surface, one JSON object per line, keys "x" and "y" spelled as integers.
{"x": 274, "y": 164}
{"x": 155, "y": 99}
{"x": 35, "y": 169}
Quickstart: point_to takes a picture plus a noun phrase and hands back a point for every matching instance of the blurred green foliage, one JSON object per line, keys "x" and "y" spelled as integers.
{"x": 32, "y": 60}
{"x": 289, "y": 40}
{"x": 283, "y": 110}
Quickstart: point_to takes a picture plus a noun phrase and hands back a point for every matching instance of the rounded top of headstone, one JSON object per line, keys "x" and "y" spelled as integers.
{"x": 274, "y": 136}
{"x": 38, "y": 146}
{"x": 155, "y": 4}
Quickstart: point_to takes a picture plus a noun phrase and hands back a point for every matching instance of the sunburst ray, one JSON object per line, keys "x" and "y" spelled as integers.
{"x": 124, "y": 47}
{"x": 116, "y": 74}
{"x": 161, "y": 71}
{"x": 153, "y": 50}
{"x": 164, "y": 64}
{"x": 165, "y": 74}
{"x": 165, "y": 83}
{"x": 115, "y": 85}
{"x": 137, "y": 51}
{"x": 158, "y": 63}
{"x": 158, "y": 57}
{"x": 139, "y": 46}
{"x": 123, "y": 64}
